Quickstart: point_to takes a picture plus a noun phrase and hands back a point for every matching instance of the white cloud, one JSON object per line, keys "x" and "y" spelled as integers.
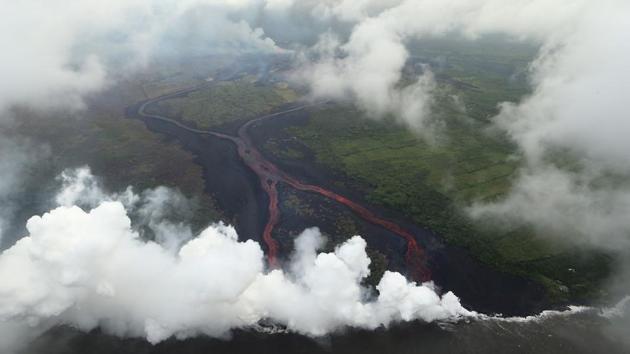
{"x": 56, "y": 52}
{"x": 564, "y": 205}
{"x": 367, "y": 66}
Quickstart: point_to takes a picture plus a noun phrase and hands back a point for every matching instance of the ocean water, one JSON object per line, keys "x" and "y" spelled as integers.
{"x": 576, "y": 330}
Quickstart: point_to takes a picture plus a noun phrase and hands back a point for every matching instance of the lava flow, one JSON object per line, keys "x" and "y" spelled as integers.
{"x": 269, "y": 176}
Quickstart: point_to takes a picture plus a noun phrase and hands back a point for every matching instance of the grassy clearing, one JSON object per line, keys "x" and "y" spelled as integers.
{"x": 227, "y": 101}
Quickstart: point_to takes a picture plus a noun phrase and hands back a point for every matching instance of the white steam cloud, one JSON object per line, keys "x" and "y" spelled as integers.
{"x": 90, "y": 268}
{"x": 161, "y": 210}
{"x": 57, "y": 51}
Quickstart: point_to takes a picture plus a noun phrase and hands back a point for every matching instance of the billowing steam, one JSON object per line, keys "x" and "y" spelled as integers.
{"x": 90, "y": 268}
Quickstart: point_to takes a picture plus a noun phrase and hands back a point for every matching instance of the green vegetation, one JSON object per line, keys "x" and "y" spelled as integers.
{"x": 298, "y": 206}
{"x": 378, "y": 265}
{"x": 346, "y": 226}
{"x": 226, "y": 101}
{"x": 121, "y": 151}
{"x": 432, "y": 182}
{"x": 482, "y": 72}
{"x": 277, "y": 147}
{"x": 469, "y": 165}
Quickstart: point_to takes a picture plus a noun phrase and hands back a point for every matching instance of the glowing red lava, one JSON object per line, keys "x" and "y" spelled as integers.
{"x": 269, "y": 176}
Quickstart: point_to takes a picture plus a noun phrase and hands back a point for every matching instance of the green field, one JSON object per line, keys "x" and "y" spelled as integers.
{"x": 226, "y": 101}
{"x": 433, "y": 182}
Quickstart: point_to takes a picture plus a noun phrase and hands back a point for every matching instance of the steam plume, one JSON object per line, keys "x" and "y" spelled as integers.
{"x": 90, "y": 268}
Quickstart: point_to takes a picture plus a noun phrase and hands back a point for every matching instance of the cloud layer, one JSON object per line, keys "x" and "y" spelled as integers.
{"x": 56, "y": 52}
